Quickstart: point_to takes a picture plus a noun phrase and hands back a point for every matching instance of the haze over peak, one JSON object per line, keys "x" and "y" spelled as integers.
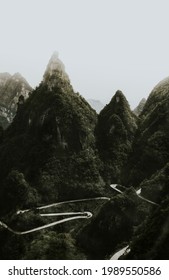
{"x": 11, "y": 88}
{"x": 5, "y": 75}
{"x": 17, "y": 75}
{"x": 55, "y": 67}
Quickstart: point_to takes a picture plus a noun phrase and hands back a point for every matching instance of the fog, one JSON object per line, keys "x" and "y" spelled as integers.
{"x": 105, "y": 45}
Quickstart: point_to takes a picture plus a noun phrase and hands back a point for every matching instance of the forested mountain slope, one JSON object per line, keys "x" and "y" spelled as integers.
{"x": 151, "y": 145}
{"x": 115, "y": 132}
{"x": 58, "y": 149}
{"x": 51, "y": 143}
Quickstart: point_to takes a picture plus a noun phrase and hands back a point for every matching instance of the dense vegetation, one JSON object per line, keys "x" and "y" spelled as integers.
{"x": 115, "y": 133}
{"x": 51, "y": 142}
{"x": 112, "y": 226}
{"x": 48, "y": 154}
{"x": 151, "y": 240}
{"x": 151, "y": 145}
{"x": 148, "y": 168}
{"x": 57, "y": 148}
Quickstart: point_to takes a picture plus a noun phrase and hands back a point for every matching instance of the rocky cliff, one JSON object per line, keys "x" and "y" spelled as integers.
{"x": 11, "y": 88}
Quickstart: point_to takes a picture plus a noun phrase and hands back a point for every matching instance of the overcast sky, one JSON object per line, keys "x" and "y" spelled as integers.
{"x": 105, "y": 44}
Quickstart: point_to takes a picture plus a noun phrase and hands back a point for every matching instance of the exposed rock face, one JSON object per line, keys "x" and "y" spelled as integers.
{"x": 55, "y": 74}
{"x": 11, "y": 88}
{"x": 55, "y": 64}
{"x": 137, "y": 111}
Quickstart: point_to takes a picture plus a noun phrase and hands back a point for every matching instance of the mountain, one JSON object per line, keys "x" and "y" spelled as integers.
{"x": 151, "y": 238}
{"x": 115, "y": 133}
{"x": 148, "y": 168}
{"x": 151, "y": 145}
{"x": 55, "y": 73}
{"x": 158, "y": 94}
{"x": 110, "y": 227}
{"x": 53, "y": 136}
{"x": 96, "y": 105}
{"x": 48, "y": 154}
{"x": 137, "y": 111}
{"x": 57, "y": 150}
{"x": 11, "y": 88}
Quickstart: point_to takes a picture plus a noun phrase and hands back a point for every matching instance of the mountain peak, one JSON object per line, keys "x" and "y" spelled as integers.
{"x": 17, "y": 75}
{"x": 55, "y": 55}
{"x": 118, "y": 96}
{"x": 119, "y": 100}
{"x": 5, "y": 75}
{"x": 55, "y": 68}
{"x": 3, "y": 78}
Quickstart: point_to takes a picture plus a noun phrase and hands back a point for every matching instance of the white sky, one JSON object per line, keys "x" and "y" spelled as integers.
{"x": 105, "y": 44}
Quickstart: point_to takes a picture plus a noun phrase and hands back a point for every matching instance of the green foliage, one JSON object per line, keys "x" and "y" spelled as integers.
{"x": 113, "y": 225}
{"x": 53, "y": 246}
{"x": 115, "y": 132}
{"x": 151, "y": 146}
{"x": 156, "y": 188}
{"x": 148, "y": 166}
{"x": 152, "y": 237}
{"x": 1, "y": 134}
{"x": 12, "y": 246}
{"x": 17, "y": 193}
{"x": 51, "y": 141}
{"x": 56, "y": 149}
{"x": 48, "y": 154}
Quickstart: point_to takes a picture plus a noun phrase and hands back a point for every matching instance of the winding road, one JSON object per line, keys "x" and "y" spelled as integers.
{"x": 121, "y": 252}
{"x": 126, "y": 249}
{"x": 64, "y": 202}
{"x": 84, "y": 215}
{"x": 77, "y": 215}
{"x": 114, "y": 187}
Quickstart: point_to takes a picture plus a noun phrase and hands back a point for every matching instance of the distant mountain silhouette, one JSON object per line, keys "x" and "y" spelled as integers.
{"x": 11, "y": 88}
{"x": 137, "y": 111}
{"x": 97, "y": 105}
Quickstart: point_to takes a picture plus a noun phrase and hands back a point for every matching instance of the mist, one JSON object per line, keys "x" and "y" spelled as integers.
{"x": 104, "y": 45}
